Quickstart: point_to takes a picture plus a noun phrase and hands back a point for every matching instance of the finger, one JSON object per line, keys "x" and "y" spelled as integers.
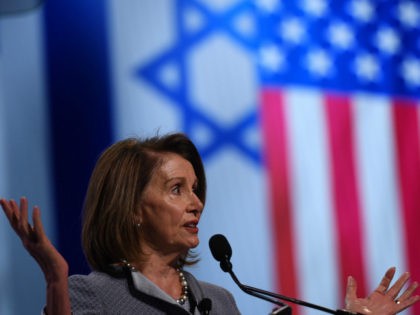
{"x": 38, "y": 227}
{"x": 15, "y": 216}
{"x": 398, "y": 285}
{"x": 408, "y": 292}
{"x": 11, "y": 210}
{"x": 407, "y": 303}
{"x": 6, "y": 209}
{"x": 386, "y": 280}
{"x": 22, "y": 209}
{"x": 351, "y": 291}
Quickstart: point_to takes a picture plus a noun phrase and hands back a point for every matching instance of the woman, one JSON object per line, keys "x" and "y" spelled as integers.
{"x": 143, "y": 204}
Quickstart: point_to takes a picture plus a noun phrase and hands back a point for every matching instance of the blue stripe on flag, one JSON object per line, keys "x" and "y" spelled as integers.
{"x": 79, "y": 95}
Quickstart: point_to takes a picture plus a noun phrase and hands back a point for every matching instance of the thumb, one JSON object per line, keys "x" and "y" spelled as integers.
{"x": 351, "y": 291}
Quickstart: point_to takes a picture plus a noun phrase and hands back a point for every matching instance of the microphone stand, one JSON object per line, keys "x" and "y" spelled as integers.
{"x": 284, "y": 308}
{"x": 226, "y": 266}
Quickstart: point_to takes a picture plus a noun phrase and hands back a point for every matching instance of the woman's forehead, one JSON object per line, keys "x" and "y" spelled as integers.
{"x": 173, "y": 165}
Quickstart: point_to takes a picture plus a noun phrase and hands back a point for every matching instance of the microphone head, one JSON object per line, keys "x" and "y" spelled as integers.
{"x": 220, "y": 248}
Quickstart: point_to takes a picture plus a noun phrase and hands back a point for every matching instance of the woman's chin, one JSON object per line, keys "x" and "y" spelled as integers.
{"x": 194, "y": 243}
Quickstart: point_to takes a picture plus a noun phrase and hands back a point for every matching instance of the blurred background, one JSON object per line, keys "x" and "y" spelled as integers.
{"x": 305, "y": 113}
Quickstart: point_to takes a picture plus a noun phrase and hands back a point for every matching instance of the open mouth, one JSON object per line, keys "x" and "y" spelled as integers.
{"x": 191, "y": 226}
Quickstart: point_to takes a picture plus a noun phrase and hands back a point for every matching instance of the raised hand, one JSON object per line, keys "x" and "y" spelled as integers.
{"x": 384, "y": 300}
{"x": 35, "y": 241}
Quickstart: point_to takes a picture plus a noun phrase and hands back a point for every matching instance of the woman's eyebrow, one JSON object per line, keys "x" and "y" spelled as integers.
{"x": 177, "y": 178}
{"x": 180, "y": 178}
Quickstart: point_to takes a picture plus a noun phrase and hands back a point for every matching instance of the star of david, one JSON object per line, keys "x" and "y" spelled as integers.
{"x": 192, "y": 116}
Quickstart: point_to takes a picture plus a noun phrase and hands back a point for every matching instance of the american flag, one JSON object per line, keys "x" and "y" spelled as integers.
{"x": 340, "y": 82}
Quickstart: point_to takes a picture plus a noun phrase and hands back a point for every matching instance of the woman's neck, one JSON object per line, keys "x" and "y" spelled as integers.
{"x": 163, "y": 272}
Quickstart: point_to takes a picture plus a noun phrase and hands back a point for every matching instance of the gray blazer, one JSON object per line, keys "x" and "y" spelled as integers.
{"x": 100, "y": 293}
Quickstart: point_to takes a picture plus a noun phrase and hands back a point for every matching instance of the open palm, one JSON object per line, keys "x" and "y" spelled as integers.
{"x": 35, "y": 241}
{"x": 384, "y": 300}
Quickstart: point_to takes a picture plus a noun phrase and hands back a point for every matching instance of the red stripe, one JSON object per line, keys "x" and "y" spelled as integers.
{"x": 345, "y": 194}
{"x": 277, "y": 162}
{"x": 406, "y": 124}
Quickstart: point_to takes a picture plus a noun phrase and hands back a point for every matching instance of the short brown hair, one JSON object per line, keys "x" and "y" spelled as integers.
{"x": 118, "y": 180}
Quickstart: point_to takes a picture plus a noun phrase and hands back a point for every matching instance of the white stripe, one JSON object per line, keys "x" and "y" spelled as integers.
{"x": 311, "y": 203}
{"x": 25, "y": 160}
{"x": 135, "y": 38}
{"x": 236, "y": 207}
{"x": 5, "y": 259}
{"x": 384, "y": 243}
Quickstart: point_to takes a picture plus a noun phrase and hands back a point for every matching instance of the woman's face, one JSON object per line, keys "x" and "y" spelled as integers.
{"x": 170, "y": 210}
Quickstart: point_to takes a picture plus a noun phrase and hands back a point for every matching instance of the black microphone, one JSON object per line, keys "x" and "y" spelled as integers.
{"x": 222, "y": 252}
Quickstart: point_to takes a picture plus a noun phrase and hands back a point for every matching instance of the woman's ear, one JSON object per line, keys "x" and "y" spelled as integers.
{"x": 138, "y": 216}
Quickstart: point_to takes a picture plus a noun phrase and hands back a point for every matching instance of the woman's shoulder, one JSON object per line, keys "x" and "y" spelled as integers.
{"x": 93, "y": 277}
{"x": 94, "y": 284}
{"x": 213, "y": 287}
{"x": 204, "y": 284}
{"x": 99, "y": 292}
{"x": 85, "y": 292}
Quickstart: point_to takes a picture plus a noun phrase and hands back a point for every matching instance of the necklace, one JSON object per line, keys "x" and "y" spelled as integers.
{"x": 184, "y": 284}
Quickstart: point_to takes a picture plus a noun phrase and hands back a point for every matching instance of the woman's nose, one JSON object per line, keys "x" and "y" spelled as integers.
{"x": 196, "y": 204}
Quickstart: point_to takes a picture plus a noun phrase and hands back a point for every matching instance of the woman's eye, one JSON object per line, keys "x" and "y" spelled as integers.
{"x": 176, "y": 189}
